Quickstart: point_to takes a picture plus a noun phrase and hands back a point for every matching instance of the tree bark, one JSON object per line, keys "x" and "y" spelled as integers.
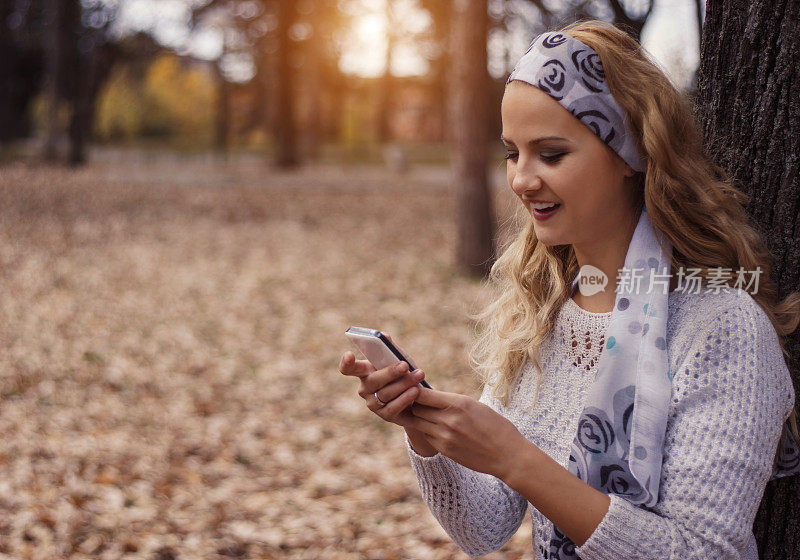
{"x": 440, "y": 12}
{"x": 632, "y": 25}
{"x": 80, "y": 66}
{"x": 469, "y": 122}
{"x": 7, "y": 77}
{"x": 262, "y": 113}
{"x": 286, "y": 127}
{"x": 314, "y": 129}
{"x": 385, "y": 104}
{"x": 222, "y": 114}
{"x": 54, "y": 57}
{"x": 747, "y": 104}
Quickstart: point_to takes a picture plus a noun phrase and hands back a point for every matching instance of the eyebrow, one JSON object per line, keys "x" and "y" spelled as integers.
{"x": 537, "y": 140}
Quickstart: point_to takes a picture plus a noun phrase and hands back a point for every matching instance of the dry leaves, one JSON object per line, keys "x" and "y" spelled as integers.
{"x": 169, "y": 339}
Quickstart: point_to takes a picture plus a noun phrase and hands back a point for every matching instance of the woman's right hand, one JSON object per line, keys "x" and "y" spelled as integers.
{"x": 394, "y": 385}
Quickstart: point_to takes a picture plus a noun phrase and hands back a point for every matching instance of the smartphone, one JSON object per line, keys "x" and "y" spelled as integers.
{"x": 379, "y": 350}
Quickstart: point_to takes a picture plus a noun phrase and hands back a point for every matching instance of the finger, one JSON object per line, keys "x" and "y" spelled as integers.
{"x": 437, "y": 399}
{"x": 372, "y": 403}
{"x": 348, "y": 365}
{"x": 433, "y": 415}
{"x": 397, "y": 405}
{"x": 424, "y": 426}
{"x": 382, "y": 377}
{"x": 392, "y": 390}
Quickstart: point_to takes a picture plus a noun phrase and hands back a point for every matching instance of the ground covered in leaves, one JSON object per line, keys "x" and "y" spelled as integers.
{"x": 169, "y": 339}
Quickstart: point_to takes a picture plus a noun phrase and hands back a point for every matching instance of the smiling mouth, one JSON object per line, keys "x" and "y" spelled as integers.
{"x": 545, "y": 212}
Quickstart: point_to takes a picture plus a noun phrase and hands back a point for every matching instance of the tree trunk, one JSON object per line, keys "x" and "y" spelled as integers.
{"x": 747, "y": 104}
{"x": 286, "y": 128}
{"x": 698, "y": 11}
{"x": 314, "y": 131}
{"x": 52, "y": 80}
{"x": 440, "y": 11}
{"x": 263, "y": 93}
{"x": 80, "y": 67}
{"x": 222, "y": 113}
{"x": 79, "y": 127}
{"x": 632, "y": 25}
{"x": 7, "y": 75}
{"x": 385, "y": 103}
{"x": 469, "y": 122}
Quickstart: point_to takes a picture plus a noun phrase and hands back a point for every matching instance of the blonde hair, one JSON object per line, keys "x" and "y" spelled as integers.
{"x": 689, "y": 199}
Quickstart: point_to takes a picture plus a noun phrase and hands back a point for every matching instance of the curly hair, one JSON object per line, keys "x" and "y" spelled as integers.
{"x": 689, "y": 199}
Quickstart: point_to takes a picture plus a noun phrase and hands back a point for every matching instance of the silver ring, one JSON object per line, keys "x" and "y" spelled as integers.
{"x": 377, "y": 398}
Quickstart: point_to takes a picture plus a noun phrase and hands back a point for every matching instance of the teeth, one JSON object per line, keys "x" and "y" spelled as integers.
{"x": 543, "y": 205}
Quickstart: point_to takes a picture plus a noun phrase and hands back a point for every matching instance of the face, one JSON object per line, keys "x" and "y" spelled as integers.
{"x": 554, "y": 157}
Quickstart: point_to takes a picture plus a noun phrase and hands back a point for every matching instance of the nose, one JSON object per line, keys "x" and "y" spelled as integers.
{"x": 525, "y": 180}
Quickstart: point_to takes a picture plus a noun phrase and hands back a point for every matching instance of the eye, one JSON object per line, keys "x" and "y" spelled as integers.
{"x": 511, "y": 155}
{"x": 552, "y": 158}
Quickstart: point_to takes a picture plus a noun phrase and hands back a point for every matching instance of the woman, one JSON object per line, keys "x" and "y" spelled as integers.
{"x": 662, "y": 448}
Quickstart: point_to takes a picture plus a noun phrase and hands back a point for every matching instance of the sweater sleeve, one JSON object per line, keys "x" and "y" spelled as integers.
{"x": 479, "y": 511}
{"x": 730, "y": 398}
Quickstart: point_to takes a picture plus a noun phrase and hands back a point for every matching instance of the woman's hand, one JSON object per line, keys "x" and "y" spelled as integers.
{"x": 394, "y": 385}
{"x": 468, "y": 431}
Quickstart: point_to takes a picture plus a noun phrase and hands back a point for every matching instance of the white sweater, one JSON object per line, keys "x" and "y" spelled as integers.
{"x": 731, "y": 395}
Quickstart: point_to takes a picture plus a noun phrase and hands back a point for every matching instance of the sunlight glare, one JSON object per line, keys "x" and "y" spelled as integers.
{"x": 365, "y": 52}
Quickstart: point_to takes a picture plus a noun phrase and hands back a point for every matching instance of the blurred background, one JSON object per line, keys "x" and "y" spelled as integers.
{"x": 197, "y": 198}
{"x": 292, "y": 82}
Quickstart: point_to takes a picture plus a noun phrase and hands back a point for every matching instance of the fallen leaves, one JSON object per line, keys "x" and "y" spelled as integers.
{"x": 169, "y": 342}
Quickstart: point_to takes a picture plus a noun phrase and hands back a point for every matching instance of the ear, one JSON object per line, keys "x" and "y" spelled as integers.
{"x": 629, "y": 172}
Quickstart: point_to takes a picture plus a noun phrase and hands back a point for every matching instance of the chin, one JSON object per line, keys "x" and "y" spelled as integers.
{"x": 551, "y": 243}
{"x": 548, "y": 238}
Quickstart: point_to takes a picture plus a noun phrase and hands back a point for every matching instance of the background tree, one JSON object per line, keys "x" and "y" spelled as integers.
{"x": 61, "y": 51}
{"x": 435, "y": 47}
{"x": 747, "y": 102}
{"x": 168, "y": 100}
{"x": 630, "y": 15}
{"x": 283, "y": 39}
{"x": 469, "y": 118}
{"x": 89, "y": 58}
{"x": 386, "y": 85}
{"x": 239, "y": 25}
{"x": 21, "y": 60}
{"x": 55, "y": 38}
{"x": 321, "y": 52}
{"x": 630, "y": 20}
{"x": 285, "y": 126}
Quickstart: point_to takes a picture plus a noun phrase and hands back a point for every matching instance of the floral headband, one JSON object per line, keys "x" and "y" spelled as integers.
{"x": 572, "y": 74}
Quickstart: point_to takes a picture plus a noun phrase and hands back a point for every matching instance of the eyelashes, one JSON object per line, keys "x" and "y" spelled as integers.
{"x": 549, "y": 159}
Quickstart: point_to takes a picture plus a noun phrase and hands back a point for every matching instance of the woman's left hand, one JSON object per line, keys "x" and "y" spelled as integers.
{"x": 467, "y": 431}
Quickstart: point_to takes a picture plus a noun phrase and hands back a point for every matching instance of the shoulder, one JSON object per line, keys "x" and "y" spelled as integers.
{"x": 726, "y": 339}
{"x": 725, "y": 313}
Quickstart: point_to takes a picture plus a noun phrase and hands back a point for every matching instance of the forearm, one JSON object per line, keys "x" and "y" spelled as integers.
{"x": 572, "y": 505}
{"x": 478, "y": 511}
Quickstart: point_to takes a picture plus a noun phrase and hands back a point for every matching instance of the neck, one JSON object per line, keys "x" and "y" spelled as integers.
{"x": 607, "y": 254}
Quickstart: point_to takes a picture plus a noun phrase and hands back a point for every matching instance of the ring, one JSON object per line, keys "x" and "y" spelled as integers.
{"x": 377, "y": 398}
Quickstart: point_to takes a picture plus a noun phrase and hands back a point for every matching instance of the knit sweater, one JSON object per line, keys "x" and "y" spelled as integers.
{"x": 731, "y": 394}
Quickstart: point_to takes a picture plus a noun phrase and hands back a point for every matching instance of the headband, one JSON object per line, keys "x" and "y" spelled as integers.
{"x": 572, "y": 74}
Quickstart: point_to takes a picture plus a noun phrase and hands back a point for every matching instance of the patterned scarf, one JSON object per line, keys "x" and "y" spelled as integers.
{"x": 620, "y": 436}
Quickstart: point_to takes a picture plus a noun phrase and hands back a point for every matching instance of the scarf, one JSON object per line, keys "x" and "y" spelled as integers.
{"x": 620, "y": 436}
